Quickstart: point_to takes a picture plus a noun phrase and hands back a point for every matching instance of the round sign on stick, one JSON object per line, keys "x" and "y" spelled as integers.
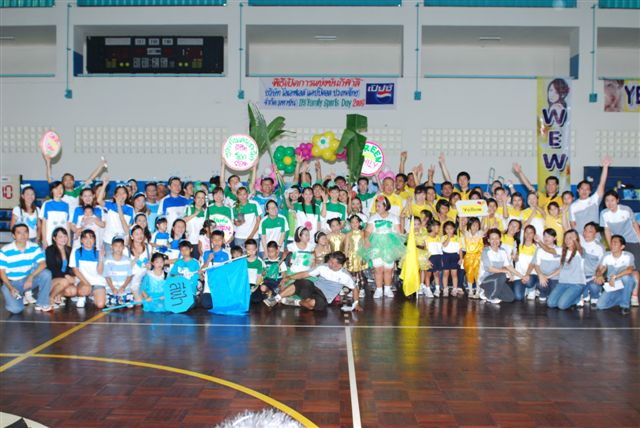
{"x": 50, "y": 144}
{"x": 240, "y": 152}
{"x": 224, "y": 224}
{"x": 373, "y": 159}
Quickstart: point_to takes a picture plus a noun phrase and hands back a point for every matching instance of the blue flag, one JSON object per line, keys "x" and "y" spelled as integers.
{"x": 229, "y": 285}
{"x": 178, "y": 294}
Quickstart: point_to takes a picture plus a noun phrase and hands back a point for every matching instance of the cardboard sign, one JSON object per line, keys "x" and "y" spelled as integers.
{"x": 224, "y": 224}
{"x": 472, "y": 208}
{"x": 50, "y": 144}
{"x": 240, "y": 152}
{"x": 373, "y": 159}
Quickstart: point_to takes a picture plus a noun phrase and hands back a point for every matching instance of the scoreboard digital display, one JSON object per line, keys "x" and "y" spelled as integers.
{"x": 158, "y": 55}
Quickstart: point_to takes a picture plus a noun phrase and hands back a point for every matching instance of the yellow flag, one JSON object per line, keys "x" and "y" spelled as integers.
{"x": 410, "y": 273}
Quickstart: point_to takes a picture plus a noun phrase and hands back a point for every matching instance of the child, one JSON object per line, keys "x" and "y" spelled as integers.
{"x": 118, "y": 275}
{"x": 421, "y": 235}
{"x": 434, "y": 247}
{"x": 152, "y": 287}
{"x": 352, "y": 244}
{"x": 236, "y": 252}
{"x": 301, "y": 250}
{"x": 335, "y": 237}
{"x": 88, "y": 263}
{"x": 186, "y": 266}
{"x": 334, "y": 208}
{"x": 178, "y": 234}
{"x": 255, "y": 266}
{"x": 451, "y": 258}
{"x": 204, "y": 240}
{"x": 273, "y": 226}
{"x": 216, "y": 256}
{"x": 88, "y": 220}
{"x": 322, "y": 248}
{"x": 274, "y": 268}
{"x": 160, "y": 238}
{"x": 474, "y": 244}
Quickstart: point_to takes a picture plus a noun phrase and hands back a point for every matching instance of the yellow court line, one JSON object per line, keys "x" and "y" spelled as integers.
{"x": 274, "y": 403}
{"x": 48, "y": 343}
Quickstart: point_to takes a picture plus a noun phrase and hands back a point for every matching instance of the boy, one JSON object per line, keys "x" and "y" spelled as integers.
{"x": 186, "y": 266}
{"x": 117, "y": 273}
{"x": 160, "y": 238}
{"x": 255, "y": 266}
{"x": 236, "y": 252}
{"x": 213, "y": 258}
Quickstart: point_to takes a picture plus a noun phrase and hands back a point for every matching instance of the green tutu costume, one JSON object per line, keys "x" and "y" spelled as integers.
{"x": 384, "y": 243}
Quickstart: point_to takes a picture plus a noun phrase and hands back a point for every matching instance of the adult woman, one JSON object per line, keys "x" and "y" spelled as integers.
{"x": 301, "y": 250}
{"x": 195, "y": 215}
{"x": 495, "y": 265}
{"x": 27, "y": 213}
{"x": 383, "y": 245}
{"x": 118, "y": 216}
{"x": 140, "y": 253}
{"x": 571, "y": 280}
{"x": 308, "y": 213}
{"x": 57, "y": 256}
{"x": 80, "y": 221}
{"x": 54, "y": 213}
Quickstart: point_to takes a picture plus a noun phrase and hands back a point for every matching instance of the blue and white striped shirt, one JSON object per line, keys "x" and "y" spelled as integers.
{"x": 117, "y": 270}
{"x": 19, "y": 264}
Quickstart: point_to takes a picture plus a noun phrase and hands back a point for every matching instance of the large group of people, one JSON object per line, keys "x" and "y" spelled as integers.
{"x": 311, "y": 243}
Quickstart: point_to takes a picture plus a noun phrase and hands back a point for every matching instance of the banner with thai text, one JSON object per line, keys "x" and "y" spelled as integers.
{"x": 622, "y": 95}
{"x": 553, "y": 131}
{"x": 328, "y": 93}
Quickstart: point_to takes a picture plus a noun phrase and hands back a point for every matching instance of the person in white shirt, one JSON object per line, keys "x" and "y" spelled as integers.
{"x": 546, "y": 263}
{"x": 620, "y": 220}
{"x": 571, "y": 279}
{"x": 621, "y": 281}
{"x": 495, "y": 265}
{"x": 585, "y": 208}
{"x": 593, "y": 254}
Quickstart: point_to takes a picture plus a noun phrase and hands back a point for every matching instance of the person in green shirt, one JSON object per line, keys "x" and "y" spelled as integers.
{"x": 218, "y": 208}
{"x": 334, "y": 208}
{"x": 366, "y": 197}
{"x": 273, "y": 226}
{"x": 247, "y": 215}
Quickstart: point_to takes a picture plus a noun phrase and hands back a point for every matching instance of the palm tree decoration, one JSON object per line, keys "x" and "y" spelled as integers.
{"x": 354, "y": 142}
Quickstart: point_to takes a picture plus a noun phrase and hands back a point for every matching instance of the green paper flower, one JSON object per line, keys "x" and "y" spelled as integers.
{"x": 285, "y": 159}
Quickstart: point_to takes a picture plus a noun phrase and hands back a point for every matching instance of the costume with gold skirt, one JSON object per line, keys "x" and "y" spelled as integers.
{"x": 471, "y": 261}
{"x": 320, "y": 253}
{"x": 423, "y": 254}
{"x": 355, "y": 264}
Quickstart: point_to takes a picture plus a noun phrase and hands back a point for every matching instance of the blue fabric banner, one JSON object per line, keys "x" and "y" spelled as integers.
{"x": 178, "y": 294}
{"x": 229, "y": 285}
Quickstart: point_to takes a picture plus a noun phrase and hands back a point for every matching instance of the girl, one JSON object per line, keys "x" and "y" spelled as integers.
{"x": 434, "y": 247}
{"x": 139, "y": 203}
{"x": 383, "y": 245}
{"x": 118, "y": 216}
{"x": 195, "y": 217}
{"x": 571, "y": 280}
{"x": 534, "y": 215}
{"x": 336, "y": 238}
{"x": 322, "y": 248}
{"x": 178, "y": 234}
{"x": 421, "y": 234}
{"x": 54, "y": 213}
{"x": 273, "y": 226}
{"x": 301, "y": 251}
{"x": 152, "y": 287}
{"x": 308, "y": 213}
{"x": 511, "y": 238}
{"x": 87, "y": 263}
{"x": 352, "y": 245}
{"x": 443, "y": 212}
{"x": 492, "y": 220}
{"x": 57, "y": 257}
{"x": 524, "y": 265}
{"x": 555, "y": 219}
{"x": 474, "y": 244}
{"x": 513, "y": 211}
{"x": 140, "y": 254}
{"x": 204, "y": 239}
{"x": 142, "y": 221}
{"x": 547, "y": 263}
{"x": 27, "y": 213}
{"x": 495, "y": 270}
{"x": 451, "y": 258}
{"x": 356, "y": 209}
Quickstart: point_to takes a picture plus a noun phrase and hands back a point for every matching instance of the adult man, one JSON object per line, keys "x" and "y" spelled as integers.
{"x": 174, "y": 205}
{"x": 23, "y": 269}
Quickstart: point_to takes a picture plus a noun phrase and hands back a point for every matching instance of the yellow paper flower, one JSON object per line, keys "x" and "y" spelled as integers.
{"x": 325, "y": 146}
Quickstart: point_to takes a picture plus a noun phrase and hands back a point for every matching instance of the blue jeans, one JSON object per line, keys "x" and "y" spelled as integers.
{"x": 520, "y": 288}
{"x": 545, "y": 291}
{"x": 565, "y": 295}
{"x": 41, "y": 282}
{"x": 592, "y": 289}
{"x": 620, "y": 298}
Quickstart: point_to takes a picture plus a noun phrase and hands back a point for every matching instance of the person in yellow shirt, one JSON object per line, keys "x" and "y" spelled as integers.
{"x": 451, "y": 258}
{"x": 444, "y": 214}
{"x": 551, "y": 191}
{"x": 556, "y": 219}
{"x": 534, "y": 215}
{"x": 492, "y": 220}
{"x": 463, "y": 179}
{"x": 397, "y": 203}
{"x": 474, "y": 244}
{"x": 515, "y": 210}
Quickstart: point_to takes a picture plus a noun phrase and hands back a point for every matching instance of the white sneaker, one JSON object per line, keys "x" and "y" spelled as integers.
{"x": 436, "y": 292}
{"x": 290, "y": 301}
{"x": 480, "y": 293}
{"x": 361, "y": 294}
{"x": 587, "y": 299}
{"x": 378, "y": 293}
{"x": 427, "y": 292}
{"x": 45, "y": 308}
{"x": 446, "y": 292}
{"x": 542, "y": 299}
{"x": 531, "y": 295}
{"x": 28, "y": 298}
{"x": 494, "y": 301}
{"x": 580, "y": 303}
{"x": 421, "y": 291}
{"x": 81, "y": 302}
{"x": 594, "y": 302}
{"x": 634, "y": 300}
{"x": 387, "y": 291}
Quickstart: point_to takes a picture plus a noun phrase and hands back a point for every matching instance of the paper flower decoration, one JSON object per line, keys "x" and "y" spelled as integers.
{"x": 325, "y": 146}
{"x": 304, "y": 150}
{"x": 285, "y": 159}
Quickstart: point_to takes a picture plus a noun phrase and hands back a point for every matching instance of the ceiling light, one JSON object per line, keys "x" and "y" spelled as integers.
{"x": 489, "y": 39}
{"x": 325, "y": 38}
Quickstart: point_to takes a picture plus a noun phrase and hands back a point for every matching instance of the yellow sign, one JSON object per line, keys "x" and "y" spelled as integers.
{"x": 472, "y": 208}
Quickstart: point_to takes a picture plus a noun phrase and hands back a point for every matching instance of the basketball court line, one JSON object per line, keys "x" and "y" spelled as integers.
{"x": 248, "y": 391}
{"x": 337, "y": 326}
{"x": 353, "y": 383}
